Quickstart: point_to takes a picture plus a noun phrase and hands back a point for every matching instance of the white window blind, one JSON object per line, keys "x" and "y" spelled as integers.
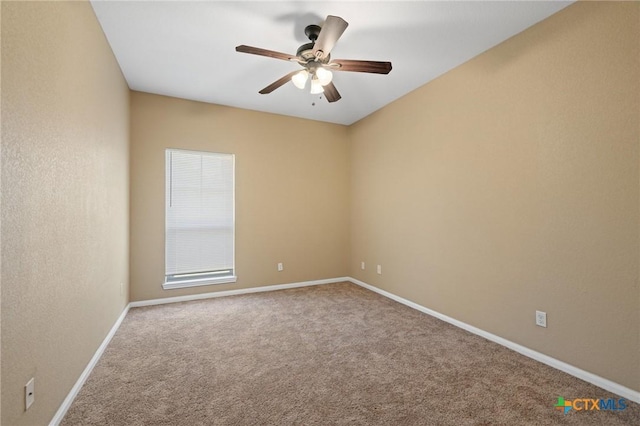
{"x": 199, "y": 243}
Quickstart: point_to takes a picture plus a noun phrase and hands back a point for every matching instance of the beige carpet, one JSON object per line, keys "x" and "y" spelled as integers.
{"x": 324, "y": 355}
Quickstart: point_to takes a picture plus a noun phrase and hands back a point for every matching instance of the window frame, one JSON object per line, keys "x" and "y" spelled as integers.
{"x": 176, "y": 281}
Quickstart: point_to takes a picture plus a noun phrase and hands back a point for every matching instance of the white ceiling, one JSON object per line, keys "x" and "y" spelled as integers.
{"x": 186, "y": 49}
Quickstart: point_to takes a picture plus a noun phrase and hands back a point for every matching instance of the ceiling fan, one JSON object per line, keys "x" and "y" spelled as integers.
{"x": 315, "y": 59}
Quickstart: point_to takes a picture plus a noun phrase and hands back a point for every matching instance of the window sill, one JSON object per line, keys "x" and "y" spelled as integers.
{"x": 196, "y": 283}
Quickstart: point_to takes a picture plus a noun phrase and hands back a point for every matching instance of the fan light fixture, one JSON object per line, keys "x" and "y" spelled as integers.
{"x": 316, "y": 86}
{"x": 300, "y": 79}
{"x": 324, "y": 76}
{"x": 320, "y": 77}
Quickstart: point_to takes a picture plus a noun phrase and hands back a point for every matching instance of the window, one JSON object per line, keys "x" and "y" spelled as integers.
{"x": 199, "y": 220}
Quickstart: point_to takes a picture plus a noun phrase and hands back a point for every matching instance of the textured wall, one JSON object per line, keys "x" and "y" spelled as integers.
{"x": 510, "y": 184}
{"x": 65, "y": 127}
{"x": 0, "y": 226}
{"x": 291, "y": 191}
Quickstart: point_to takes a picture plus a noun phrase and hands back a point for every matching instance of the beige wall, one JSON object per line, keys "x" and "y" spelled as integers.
{"x": 292, "y": 190}
{"x": 510, "y": 185}
{"x": 65, "y": 124}
{"x": 0, "y": 225}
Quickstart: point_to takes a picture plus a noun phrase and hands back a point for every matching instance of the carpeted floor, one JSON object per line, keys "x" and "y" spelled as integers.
{"x": 325, "y": 355}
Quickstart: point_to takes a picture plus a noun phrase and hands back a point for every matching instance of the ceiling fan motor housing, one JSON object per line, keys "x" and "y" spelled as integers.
{"x": 306, "y": 55}
{"x": 305, "y": 52}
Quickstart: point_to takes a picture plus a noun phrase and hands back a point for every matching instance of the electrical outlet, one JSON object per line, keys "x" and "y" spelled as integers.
{"x": 541, "y": 319}
{"x": 379, "y": 269}
{"x": 362, "y": 265}
{"x": 280, "y": 267}
{"x": 29, "y": 393}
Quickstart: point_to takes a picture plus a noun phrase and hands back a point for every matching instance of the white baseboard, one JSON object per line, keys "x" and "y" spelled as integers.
{"x": 57, "y": 418}
{"x": 606, "y": 384}
{"x": 235, "y": 292}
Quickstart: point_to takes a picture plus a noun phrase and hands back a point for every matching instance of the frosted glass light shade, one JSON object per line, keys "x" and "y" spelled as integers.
{"x": 324, "y": 76}
{"x": 300, "y": 79}
{"x": 316, "y": 87}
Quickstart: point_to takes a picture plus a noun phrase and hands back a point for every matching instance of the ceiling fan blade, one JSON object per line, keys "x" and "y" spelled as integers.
{"x": 273, "y": 86}
{"x": 264, "y": 52}
{"x": 331, "y": 31}
{"x": 331, "y": 93}
{"x": 361, "y": 66}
